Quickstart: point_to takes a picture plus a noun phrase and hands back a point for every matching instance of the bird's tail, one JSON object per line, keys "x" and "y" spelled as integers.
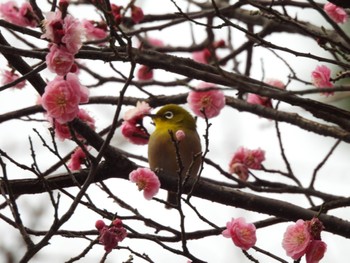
{"x": 172, "y": 200}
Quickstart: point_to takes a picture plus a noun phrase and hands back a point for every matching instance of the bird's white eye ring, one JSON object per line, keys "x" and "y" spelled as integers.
{"x": 169, "y": 115}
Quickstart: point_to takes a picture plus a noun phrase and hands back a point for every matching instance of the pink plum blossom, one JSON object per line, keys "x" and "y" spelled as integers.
{"x": 94, "y": 30}
{"x": 10, "y": 76}
{"x": 304, "y": 238}
{"x": 99, "y": 224}
{"x": 276, "y": 83}
{"x": 145, "y": 73}
{"x": 296, "y": 239}
{"x": 242, "y": 234}
{"x": 315, "y": 228}
{"x": 337, "y": 13}
{"x": 116, "y": 12}
{"x": 321, "y": 78}
{"x": 132, "y": 127}
{"x": 136, "y": 14}
{"x": 59, "y": 60}
{"x": 63, "y": 5}
{"x": 180, "y": 135}
{"x": 146, "y": 180}
{"x": 315, "y": 251}
{"x": 133, "y": 115}
{"x": 241, "y": 170}
{"x": 27, "y": 15}
{"x": 53, "y": 25}
{"x": 207, "y": 55}
{"x": 219, "y": 44}
{"x": 265, "y": 101}
{"x": 134, "y": 133}
{"x": 21, "y": 16}
{"x": 206, "y": 97}
{"x": 62, "y": 97}
{"x": 259, "y": 100}
{"x": 245, "y": 159}
{"x": 77, "y": 159}
{"x": 252, "y": 159}
{"x": 62, "y": 130}
{"x": 9, "y": 11}
{"x": 202, "y": 56}
{"x": 68, "y": 31}
{"x": 85, "y": 117}
{"x": 110, "y": 236}
{"x": 74, "y": 32}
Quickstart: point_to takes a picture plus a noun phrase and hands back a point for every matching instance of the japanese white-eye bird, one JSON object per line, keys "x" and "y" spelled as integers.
{"x": 162, "y": 153}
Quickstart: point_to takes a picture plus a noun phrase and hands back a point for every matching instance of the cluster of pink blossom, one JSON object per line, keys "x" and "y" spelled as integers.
{"x": 21, "y": 16}
{"x": 64, "y": 94}
{"x": 136, "y": 13}
{"x": 110, "y": 236}
{"x": 145, "y": 180}
{"x": 94, "y": 30}
{"x": 132, "y": 127}
{"x": 242, "y": 234}
{"x": 206, "y": 100}
{"x": 208, "y": 55}
{"x": 304, "y": 238}
{"x": 9, "y": 76}
{"x": 245, "y": 159}
{"x": 321, "y": 77}
{"x": 66, "y": 35}
{"x": 337, "y": 13}
{"x": 301, "y": 238}
{"x": 265, "y": 101}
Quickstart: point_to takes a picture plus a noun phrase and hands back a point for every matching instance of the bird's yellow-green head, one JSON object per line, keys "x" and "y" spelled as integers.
{"x": 172, "y": 115}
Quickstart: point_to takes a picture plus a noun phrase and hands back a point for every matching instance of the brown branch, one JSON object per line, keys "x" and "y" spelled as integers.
{"x": 205, "y": 189}
{"x": 342, "y": 3}
{"x": 17, "y": 62}
{"x": 192, "y": 69}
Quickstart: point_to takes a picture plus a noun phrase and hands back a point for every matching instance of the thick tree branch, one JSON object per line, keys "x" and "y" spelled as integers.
{"x": 190, "y": 68}
{"x": 205, "y": 189}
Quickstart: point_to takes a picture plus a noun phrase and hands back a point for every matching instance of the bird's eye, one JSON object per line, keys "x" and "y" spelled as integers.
{"x": 169, "y": 115}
